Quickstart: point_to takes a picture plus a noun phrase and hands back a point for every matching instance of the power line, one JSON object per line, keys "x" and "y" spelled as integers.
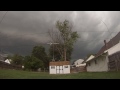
{"x": 0, "y": 23}
{"x": 3, "y": 17}
{"x": 109, "y": 32}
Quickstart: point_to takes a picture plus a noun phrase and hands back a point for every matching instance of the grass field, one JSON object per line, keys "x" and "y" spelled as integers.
{"x": 17, "y": 74}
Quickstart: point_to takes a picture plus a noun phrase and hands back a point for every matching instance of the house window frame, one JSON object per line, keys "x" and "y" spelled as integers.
{"x": 66, "y": 66}
{"x": 52, "y": 67}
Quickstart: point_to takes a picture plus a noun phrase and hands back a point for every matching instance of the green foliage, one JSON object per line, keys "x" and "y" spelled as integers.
{"x": 9, "y": 57}
{"x": 68, "y": 36}
{"x": 32, "y": 63}
{"x": 66, "y": 39}
{"x": 57, "y": 55}
{"x": 39, "y": 52}
{"x": 17, "y": 59}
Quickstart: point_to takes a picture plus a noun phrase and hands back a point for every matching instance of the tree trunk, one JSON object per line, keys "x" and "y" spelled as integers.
{"x": 64, "y": 54}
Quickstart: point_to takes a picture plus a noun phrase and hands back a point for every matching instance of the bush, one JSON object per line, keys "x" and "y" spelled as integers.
{"x": 32, "y": 63}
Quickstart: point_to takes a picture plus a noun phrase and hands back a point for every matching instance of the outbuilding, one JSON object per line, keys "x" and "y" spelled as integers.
{"x": 59, "y": 67}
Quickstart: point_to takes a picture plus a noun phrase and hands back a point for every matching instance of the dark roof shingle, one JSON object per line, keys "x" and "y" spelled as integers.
{"x": 111, "y": 43}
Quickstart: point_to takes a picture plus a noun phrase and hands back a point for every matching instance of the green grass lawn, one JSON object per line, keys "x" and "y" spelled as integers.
{"x": 18, "y": 74}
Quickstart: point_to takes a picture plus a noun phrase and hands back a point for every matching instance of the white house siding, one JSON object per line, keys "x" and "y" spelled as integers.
{"x": 101, "y": 65}
{"x": 60, "y": 67}
{"x": 52, "y": 70}
{"x": 66, "y": 69}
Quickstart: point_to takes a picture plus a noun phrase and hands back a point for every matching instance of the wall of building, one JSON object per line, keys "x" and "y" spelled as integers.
{"x": 65, "y": 69}
{"x": 78, "y": 69}
{"x": 114, "y": 62}
{"x": 52, "y": 69}
{"x": 101, "y": 65}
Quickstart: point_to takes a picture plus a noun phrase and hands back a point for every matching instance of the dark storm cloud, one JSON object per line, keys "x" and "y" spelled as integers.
{"x": 21, "y": 30}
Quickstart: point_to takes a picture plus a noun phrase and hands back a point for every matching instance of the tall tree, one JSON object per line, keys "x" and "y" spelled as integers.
{"x": 53, "y": 52}
{"x": 39, "y": 52}
{"x": 57, "y": 55}
{"x": 32, "y": 63}
{"x": 65, "y": 37}
{"x": 17, "y": 59}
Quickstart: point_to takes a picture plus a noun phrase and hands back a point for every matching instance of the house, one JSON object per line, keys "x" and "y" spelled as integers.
{"x": 2, "y": 56}
{"x": 78, "y": 63}
{"x": 78, "y": 66}
{"x": 59, "y": 67}
{"x": 8, "y": 61}
{"x": 108, "y": 57}
{"x": 98, "y": 63}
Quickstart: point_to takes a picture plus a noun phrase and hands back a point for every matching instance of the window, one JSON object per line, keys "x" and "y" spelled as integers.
{"x": 89, "y": 63}
{"x": 52, "y": 67}
{"x": 95, "y": 61}
{"x": 65, "y": 66}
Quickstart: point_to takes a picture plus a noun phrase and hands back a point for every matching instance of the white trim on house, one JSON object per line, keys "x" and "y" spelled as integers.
{"x": 91, "y": 57}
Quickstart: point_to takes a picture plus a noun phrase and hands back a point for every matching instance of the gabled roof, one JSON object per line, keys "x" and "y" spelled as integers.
{"x": 111, "y": 43}
{"x": 59, "y": 63}
{"x": 79, "y": 60}
{"x": 115, "y": 40}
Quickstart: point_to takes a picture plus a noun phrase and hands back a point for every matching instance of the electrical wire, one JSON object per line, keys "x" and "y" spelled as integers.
{"x": 3, "y": 17}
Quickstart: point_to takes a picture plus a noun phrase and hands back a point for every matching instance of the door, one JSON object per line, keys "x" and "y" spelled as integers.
{"x": 57, "y": 70}
{"x": 61, "y": 69}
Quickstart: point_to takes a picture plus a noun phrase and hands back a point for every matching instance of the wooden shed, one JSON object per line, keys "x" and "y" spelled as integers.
{"x": 59, "y": 67}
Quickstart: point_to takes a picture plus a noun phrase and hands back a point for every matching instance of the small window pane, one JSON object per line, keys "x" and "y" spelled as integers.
{"x": 66, "y": 66}
{"x": 95, "y": 61}
{"x": 52, "y": 67}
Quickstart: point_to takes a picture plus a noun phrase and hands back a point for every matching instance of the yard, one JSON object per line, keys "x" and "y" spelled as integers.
{"x": 17, "y": 74}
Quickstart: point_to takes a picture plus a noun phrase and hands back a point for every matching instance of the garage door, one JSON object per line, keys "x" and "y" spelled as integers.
{"x": 59, "y": 69}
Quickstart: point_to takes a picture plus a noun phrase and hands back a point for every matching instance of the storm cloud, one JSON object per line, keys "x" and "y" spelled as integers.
{"x": 21, "y": 30}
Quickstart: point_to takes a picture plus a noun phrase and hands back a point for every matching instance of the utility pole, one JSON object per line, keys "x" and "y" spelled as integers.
{"x": 53, "y": 49}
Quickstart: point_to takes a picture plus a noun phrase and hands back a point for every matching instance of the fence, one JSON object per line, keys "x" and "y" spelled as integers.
{"x": 114, "y": 62}
{"x": 78, "y": 69}
{"x": 9, "y": 66}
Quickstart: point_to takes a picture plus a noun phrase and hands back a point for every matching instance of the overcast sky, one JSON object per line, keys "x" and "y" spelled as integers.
{"x": 21, "y": 30}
